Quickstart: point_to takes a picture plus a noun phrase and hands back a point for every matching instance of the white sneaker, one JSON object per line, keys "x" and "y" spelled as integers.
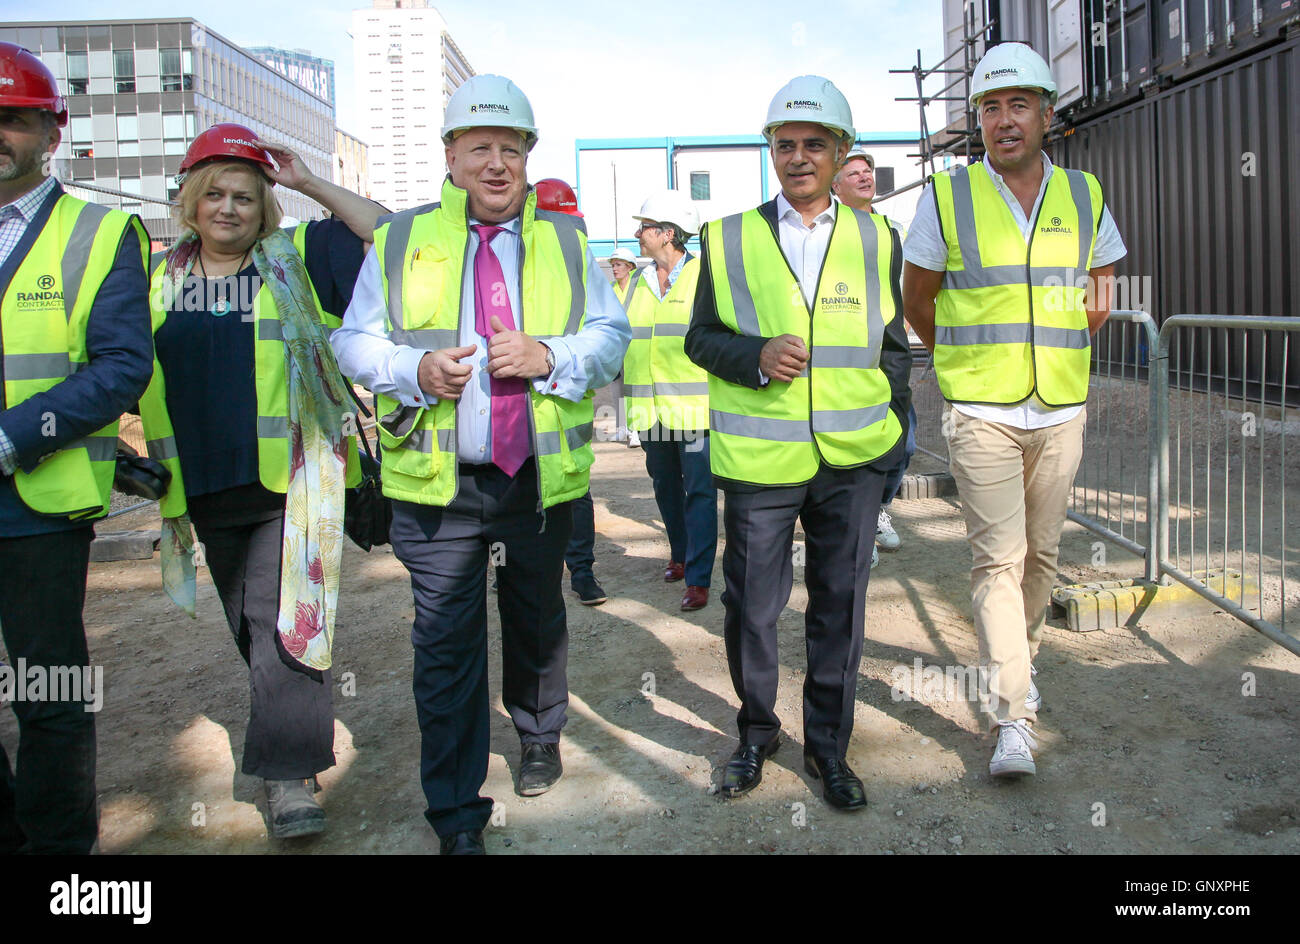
{"x": 886, "y": 537}
{"x": 875, "y": 557}
{"x": 633, "y": 440}
{"x": 1034, "y": 700}
{"x": 1012, "y": 757}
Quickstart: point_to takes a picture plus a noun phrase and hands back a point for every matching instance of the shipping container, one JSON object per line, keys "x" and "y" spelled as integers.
{"x": 1203, "y": 180}
{"x": 1195, "y": 35}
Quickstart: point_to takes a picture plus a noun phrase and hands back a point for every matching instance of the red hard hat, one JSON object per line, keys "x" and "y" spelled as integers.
{"x": 25, "y": 82}
{"x": 554, "y": 194}
{"x": 224, "y": 140}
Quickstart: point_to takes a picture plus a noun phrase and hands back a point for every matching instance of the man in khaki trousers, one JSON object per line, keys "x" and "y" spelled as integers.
{"x": 992, "y": 284}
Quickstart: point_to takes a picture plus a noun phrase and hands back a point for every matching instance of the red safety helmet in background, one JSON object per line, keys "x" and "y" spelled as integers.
{"x": 224, "y": 140}
{"x": 25, "y": 82}
{"x": 554, "y": 194}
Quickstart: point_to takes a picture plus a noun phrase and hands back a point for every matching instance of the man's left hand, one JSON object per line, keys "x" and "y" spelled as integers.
{"x": 515, "y": 354}
{"x": 292, "y": 171}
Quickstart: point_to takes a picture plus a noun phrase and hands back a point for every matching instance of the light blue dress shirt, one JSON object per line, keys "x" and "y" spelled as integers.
{"x": 583, "y": 361}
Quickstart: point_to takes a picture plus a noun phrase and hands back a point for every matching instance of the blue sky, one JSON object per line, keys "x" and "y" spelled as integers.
{"x": 612, "y": 70}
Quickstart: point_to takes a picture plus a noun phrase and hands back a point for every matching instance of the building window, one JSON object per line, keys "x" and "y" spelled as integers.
{"x": 177, "y": 68}
{"x": 124, "y": 69}
{"x": 128, "y": 136}
{"x": 78, "y": 73}
{"x": 700, "y": 185}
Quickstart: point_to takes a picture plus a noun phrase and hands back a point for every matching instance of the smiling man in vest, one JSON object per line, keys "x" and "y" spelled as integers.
{"x": 798, "y": 321}
{"x": 993, "y": 258}
{"x": 666, "y": 397}
{"x": 482, "y": 324}
{"x": 77, "y": 353}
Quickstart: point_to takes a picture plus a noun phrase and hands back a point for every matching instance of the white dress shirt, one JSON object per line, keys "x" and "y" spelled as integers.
{"x": 926, "y": 247}
{"x": 584, "y": 361}
{"x": 804, "y": 247}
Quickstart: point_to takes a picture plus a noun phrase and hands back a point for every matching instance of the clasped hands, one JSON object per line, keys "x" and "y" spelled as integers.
{"x": 783, "y": 358}
{"x": 510, "y": 354}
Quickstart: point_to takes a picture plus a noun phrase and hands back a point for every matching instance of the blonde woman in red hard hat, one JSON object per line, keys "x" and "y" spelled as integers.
{"x": 259, "y": 423}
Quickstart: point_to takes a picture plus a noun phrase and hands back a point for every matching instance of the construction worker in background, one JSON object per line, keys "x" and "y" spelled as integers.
{"x": 77, "y": 354}
{"x": 580, "y": 556}
{"x": 798, "y": 321}
{"x": 666, "y": 397}
{"x": 622, "y": 263}
{"x": 487, "y": 439}
{"x": 990, "y": 287}
{"x": 855, "y": 186}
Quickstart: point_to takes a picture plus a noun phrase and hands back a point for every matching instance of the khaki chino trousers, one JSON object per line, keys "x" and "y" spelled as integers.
{"x": 1014, "y": 486}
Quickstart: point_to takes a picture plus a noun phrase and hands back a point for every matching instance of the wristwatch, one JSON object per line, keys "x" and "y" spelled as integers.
{"x": 550, "y": 360}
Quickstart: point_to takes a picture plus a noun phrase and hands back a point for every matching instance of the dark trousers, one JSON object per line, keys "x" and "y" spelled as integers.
{"x": 49, "y": 807}
{"x": 687, "y": 502}
{"x": 580, "y": 555}
{"x": 290, "y": 732}
{"x": 493, "y": 518}
{"x": 894, "y": 480}
{"x": 838, "y": 511}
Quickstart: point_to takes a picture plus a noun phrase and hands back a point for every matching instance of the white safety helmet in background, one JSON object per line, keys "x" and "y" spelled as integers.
{"x": 623, "y": 255}
{"x": 1011, "y": 65}
{"x": 859, "y": 152}
{"x": 671, "y": 206}
{"x": 814, "y": 99}
{"x": 489, "y": 101}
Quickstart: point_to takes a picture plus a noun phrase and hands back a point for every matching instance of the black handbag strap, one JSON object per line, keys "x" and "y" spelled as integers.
{"x": 365, "y": 440}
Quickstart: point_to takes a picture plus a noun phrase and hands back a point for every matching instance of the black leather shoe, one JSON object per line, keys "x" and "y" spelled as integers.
{"x": 842, "y": 788}
{"x": 588, "y": 590}
{"x": 466, "y": 843}
{"x": 539, "y": 769}
{"x": 744, "y": 771}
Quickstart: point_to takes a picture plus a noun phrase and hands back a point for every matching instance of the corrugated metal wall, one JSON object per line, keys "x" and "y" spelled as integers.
{"x": 1204, "y": 182}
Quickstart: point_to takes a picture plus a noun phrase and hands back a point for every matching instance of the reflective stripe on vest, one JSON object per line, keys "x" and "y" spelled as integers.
{"x": 661, "y": 385}
{"x": 43, "y": 317}
{"x": 837, "y": 411}
{"x": 1010, "y": 318}
{"x": 423, "y": 254}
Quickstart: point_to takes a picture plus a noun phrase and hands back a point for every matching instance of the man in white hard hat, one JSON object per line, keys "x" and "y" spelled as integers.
{"x": 798, "y": 321}
{"x": 1012, "y": 358}
{"x": 666, "y": 396}
{"x": 486, "y": 434}
{"x": 855, "y": 185}
{"x": 622, "y": 263}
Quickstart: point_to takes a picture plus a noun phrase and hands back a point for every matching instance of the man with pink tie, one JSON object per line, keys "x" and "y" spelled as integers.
{"x": 482, "y": 324}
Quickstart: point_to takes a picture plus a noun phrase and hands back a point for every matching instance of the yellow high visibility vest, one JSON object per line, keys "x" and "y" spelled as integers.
{"x": 1010, "y": 317}
{"x": 660, "y": 383}
{"x": 44, "y": 313}
{"x": 422, "y": 254}
{"x": 837, "y": 412}
{"x": 270, "y": 383}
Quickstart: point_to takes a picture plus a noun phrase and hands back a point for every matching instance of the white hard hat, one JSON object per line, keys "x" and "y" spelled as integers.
{"x": 623, "y": 255}
{"x": 671, "y": 206}
{"x": 814, "y": 99}
{"x": 859, "y": 152}
{"x": 489, "y": 101}
{"x": 1011, "y": 65}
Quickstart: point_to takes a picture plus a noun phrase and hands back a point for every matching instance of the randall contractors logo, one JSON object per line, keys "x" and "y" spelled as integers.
{"x": 1000, "y": 73}
{"x": 803, "y": 103}
{"x": 841, "y": 301}
{"x": 841, "y": 288}
{"x": 1056, "y": 227}
{"x": 493, "y": 107}
{"x": 45, "y": 283}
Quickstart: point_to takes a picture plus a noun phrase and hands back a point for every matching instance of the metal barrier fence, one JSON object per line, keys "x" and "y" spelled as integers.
{"x": 1224, "y": 486}
{"x": 1185, "y": 456}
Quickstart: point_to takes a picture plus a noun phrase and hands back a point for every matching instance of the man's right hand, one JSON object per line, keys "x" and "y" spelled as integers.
{"x": 783, "y": 358}
{"x": 442, "y": 375}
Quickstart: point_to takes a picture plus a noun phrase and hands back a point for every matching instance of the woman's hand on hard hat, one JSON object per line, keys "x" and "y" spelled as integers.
{"x": 515, "y": 354}
{"x": 290, "y": 171}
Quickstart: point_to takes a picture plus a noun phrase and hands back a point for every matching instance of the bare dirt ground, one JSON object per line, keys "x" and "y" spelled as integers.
{"x": 1151, "y": 722}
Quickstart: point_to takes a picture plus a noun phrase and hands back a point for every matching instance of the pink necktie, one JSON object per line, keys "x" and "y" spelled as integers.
{"x": 509, "y": 396}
